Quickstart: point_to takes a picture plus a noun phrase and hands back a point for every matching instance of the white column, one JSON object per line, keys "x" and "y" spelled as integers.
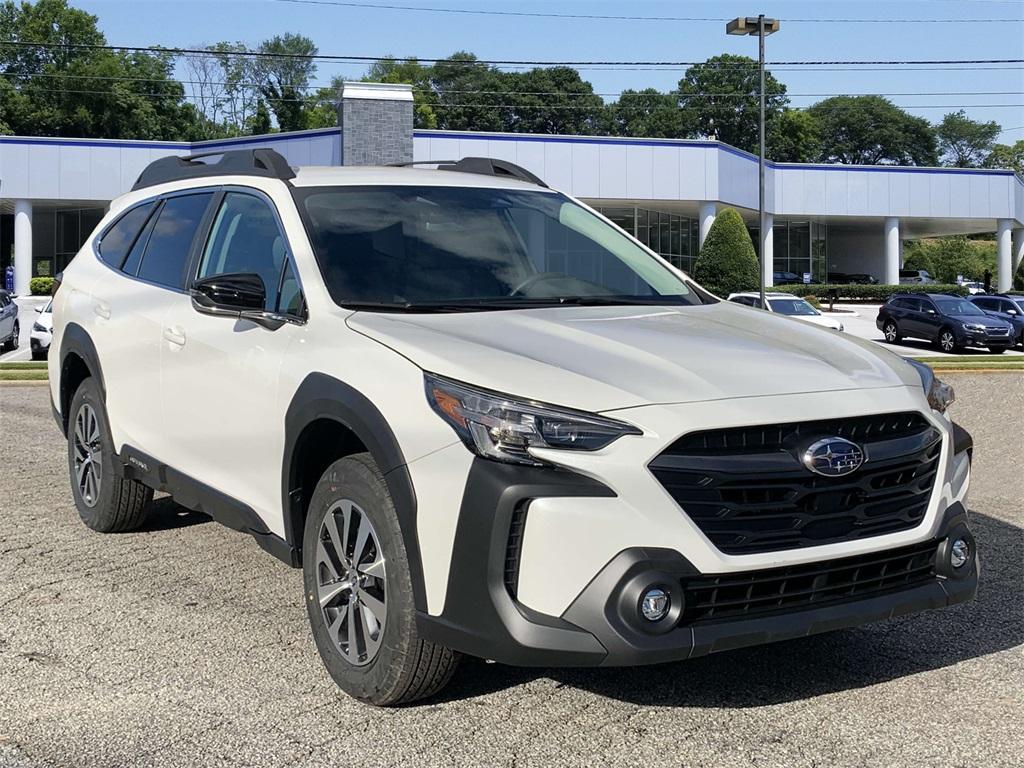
{"x": 22, "y": 246}
{"x": 1003, "y": 257}
{"x": 1017, "y": 249}
{"x": 706, "y": 218}
{"x": 768, "y": 250}
{"x": 892, "y": 251}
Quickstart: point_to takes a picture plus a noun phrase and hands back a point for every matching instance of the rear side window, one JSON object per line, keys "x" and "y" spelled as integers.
{"x": 171, "y": 240}
{"x": 114, "y": 246}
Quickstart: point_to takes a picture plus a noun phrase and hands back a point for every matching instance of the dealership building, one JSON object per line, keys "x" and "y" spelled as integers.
{"x": 821, "y": 219}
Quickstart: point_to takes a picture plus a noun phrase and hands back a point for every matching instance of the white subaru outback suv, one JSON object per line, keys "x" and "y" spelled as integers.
{"x": 484, "y": 420}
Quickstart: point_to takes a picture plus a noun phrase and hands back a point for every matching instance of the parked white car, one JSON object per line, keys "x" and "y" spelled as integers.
{"x": 42, "y": 332}
{"x": 974, "y": 288}
{"x": 788, "y": 304}
{"x": 482, "y": 419}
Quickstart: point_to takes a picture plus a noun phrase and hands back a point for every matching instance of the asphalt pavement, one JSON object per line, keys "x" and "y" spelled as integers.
{"x": 185, "y": 645}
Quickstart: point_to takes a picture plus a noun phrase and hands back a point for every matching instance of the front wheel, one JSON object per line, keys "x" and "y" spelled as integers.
{"x": 12, "y": 343}
{"x": 947, "y": 341}
{"x": 359, "y": 591}
{"x": 106, "y": 502}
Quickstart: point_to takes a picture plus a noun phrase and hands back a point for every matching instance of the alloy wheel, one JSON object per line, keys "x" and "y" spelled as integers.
{"x": 946, "y": 341}
{"x": 15, "y": 340}
{"x": 350, "y": 574}
{"x": 88, "y": 455}
{"x": 890, "y": 332}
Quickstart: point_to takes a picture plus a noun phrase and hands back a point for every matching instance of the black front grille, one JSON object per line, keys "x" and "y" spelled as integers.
{"x": 748, "y": 492}
{"x": 514, "y": 548}
{"x": 756, "y": 593}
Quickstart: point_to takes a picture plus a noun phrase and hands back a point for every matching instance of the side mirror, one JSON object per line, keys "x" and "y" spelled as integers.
{"x": 1012, "y": 312}
{"x": 39, "y": 310}
{"x": 930, "y": 311}
{"x": 229, "y": 294}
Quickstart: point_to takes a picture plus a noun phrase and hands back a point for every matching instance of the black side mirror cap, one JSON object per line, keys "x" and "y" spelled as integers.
{"x": 231, "y": 293}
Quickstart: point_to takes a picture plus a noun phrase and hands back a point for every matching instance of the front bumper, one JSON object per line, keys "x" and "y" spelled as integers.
{"x": 483, "y": 616}
{"x": 983, "y": 339}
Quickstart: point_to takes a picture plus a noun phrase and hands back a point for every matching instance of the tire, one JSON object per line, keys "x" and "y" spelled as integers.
{"x": 891, "y": 332}
{"x": 39, "y": 354}
{"x": 13, "y": 340}
{"x": 396, "y": 666}
{"x": 946, "y": 341}
{"x": 997, "y": 350}
{"x": 106, "y": 502}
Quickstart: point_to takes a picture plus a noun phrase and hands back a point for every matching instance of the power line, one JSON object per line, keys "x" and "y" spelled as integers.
{"x": 594, "y": 16}
{"x": 354, "y": 58}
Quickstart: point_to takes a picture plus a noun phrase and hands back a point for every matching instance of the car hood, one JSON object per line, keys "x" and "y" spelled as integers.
{"x": 987, "y": 320}
{"x": 605, "y": 358}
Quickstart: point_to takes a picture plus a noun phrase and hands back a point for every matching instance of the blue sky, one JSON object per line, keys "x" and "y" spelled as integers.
{"x": 368, "y": 31}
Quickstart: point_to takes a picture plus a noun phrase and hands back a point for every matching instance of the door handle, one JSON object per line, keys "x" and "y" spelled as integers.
{"x": 101, "y": 309}
{"x": 175, "y": 335}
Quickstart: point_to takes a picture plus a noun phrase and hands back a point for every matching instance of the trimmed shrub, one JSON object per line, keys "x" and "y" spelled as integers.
{"x": 879, "y": 293}
{"x": 726, "y": 262}
{"x": 40, "y": 286}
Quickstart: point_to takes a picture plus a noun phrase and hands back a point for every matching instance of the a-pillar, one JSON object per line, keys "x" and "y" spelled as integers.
{"x": 22, "y": 246}
{"x": 1004, "y": 260}
{"x": 707, "y": 218}
{"x": 768, "y": 250}
{"x": 892, "y": 251}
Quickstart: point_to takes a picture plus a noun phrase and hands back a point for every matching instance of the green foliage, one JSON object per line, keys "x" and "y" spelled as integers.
{"x": 726, "y": 262}
{"x": 719, "y": 99}
{"x": 872, "y": 130}
{"x": 417, "y": 75}
{"x": 1007, "y": 156}
{"x": 963, "y": 142}
{"x": 647, "y": 113}
{"x": 794, "y": 136}
{"x": 40, "y": 286}
{"x": 259, "y": 123}
{"x": 948, "y": 257}
{"x": 284, "y": 76}
{"x": 878, "y": 293}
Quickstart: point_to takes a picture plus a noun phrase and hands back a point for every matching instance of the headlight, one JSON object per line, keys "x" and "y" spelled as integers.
{"x": 974, "y": 327}
{"x": 940, "y": 394}
{"x": 39, "y": 328}
{"x": 500, "y": 427}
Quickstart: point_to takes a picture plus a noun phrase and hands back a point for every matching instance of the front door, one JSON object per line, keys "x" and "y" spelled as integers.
{"x": 222, "y": 416}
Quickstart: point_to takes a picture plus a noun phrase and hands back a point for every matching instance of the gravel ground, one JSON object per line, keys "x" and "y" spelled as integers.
{"x": 186, "y": 645}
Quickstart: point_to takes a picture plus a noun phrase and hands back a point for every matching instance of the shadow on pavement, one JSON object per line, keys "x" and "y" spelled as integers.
{"x": 799, "y": 669}
{"x": 165, "y": 515}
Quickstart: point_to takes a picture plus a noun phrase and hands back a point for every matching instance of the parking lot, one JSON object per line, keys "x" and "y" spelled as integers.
{"x": 185, "y": 645}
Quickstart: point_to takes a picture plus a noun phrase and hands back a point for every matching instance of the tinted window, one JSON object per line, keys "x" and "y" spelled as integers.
{"x": 119, "y": 238}
{"x": 985, "y": 303}
{"x": 1006, "y": 306}
{"x": 957, "y": 307}
{"x": 171, "y": 240}
{"x": 131, "y": 264}
{"x": 493, "y": 247}
{"x": 245, "y": 238}
{"x": 290, "y": 301}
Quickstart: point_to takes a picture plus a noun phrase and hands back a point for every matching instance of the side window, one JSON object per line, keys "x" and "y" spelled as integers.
{"x": 131, "y": 263}
{"x": 245, "y": 239}
{"x": 119, "y": 238}
{"x": 1006, "y": 306}
{"x": 290, "y": 302}
{"x": 171, "y": 240}
{"x": 926, "y": 305}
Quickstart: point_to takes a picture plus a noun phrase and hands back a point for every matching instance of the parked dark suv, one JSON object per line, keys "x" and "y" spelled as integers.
{"x": 950, "y": 322}
{"x": 1009, "y": 309}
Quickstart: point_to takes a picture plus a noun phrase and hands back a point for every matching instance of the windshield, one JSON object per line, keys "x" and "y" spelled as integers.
{"x": 957, "y": 307}
{"x": 450, "y": 248}
{"x": 792, "y": 307}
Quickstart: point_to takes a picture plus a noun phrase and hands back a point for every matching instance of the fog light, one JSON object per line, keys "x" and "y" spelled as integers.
{"x": 655, "y": 604}
{"x": 959, "y": 553}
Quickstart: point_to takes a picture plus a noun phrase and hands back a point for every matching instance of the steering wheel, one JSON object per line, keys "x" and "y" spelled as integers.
{"x": 532, "y": 280}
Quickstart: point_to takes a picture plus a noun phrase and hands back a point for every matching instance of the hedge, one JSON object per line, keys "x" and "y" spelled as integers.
{"x": 879, "y": 293}
{"x": 727, "y": 262}
{"x": 40, "y": 286}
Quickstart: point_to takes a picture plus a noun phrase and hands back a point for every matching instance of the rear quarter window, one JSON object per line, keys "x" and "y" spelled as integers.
{"x": 118, "y": 239}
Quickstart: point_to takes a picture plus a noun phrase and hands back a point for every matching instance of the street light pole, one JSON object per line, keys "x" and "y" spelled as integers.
{"x": 762, "y": 27}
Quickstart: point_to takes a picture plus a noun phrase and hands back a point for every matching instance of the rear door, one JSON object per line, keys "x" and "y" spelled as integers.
{"x": 8, "y": 311}
{"x": 223, "y": 423}
{"x": 147, "y": 250}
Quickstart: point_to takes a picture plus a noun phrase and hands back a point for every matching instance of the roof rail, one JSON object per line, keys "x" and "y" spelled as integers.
{"x": 485, "y": 166}
{"x": 236, "y": 162}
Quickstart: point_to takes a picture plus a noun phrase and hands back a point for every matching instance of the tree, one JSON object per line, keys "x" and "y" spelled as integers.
{"x": 551, "y": 100}
{"x": 259, "y": 122}
{"x": 794, "y": 136}
{"x": 1007, "y": 156}
{"x": 391, "y": 70}
{"x": 284, "y": 70}
{"x": 720, "y": 100}
{"x": 726, "y": 262}
{"x": 963, "y": 142}
{"x": 470, "y": 96}
{"x": 872, "y": 130}
{"x": 947, "y": 258}
{"x": 649, "y": 113}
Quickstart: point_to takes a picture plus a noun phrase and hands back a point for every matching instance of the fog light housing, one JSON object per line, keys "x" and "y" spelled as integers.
{"x": 655, "y": 604}
{"x": 959, "y": 553}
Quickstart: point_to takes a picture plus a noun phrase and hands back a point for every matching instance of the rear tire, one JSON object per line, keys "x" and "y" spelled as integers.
{"x": 891, "y": 332}
{"x": 359, "y": 592}
{"x": 106, "y": 502}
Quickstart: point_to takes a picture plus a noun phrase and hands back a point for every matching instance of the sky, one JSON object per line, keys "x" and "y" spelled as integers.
{"x": 978, "y": 29}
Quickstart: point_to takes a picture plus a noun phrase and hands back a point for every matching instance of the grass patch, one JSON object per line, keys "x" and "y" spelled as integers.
{"x": 39, "y": 365}
{"x": 9, "y": 375}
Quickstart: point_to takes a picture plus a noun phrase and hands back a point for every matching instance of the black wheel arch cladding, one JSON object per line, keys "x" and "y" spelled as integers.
{"x": 76, "y": 343}
{"x": 321, "y": 397}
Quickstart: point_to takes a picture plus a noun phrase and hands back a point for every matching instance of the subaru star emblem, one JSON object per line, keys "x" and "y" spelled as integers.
{"x": 833, "y": 457}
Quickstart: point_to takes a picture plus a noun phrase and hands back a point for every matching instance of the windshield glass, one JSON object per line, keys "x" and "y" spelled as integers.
{"x": 792, "y": 307}
{"x": 957, "y": 307}
{"x": 449, "y": 247}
